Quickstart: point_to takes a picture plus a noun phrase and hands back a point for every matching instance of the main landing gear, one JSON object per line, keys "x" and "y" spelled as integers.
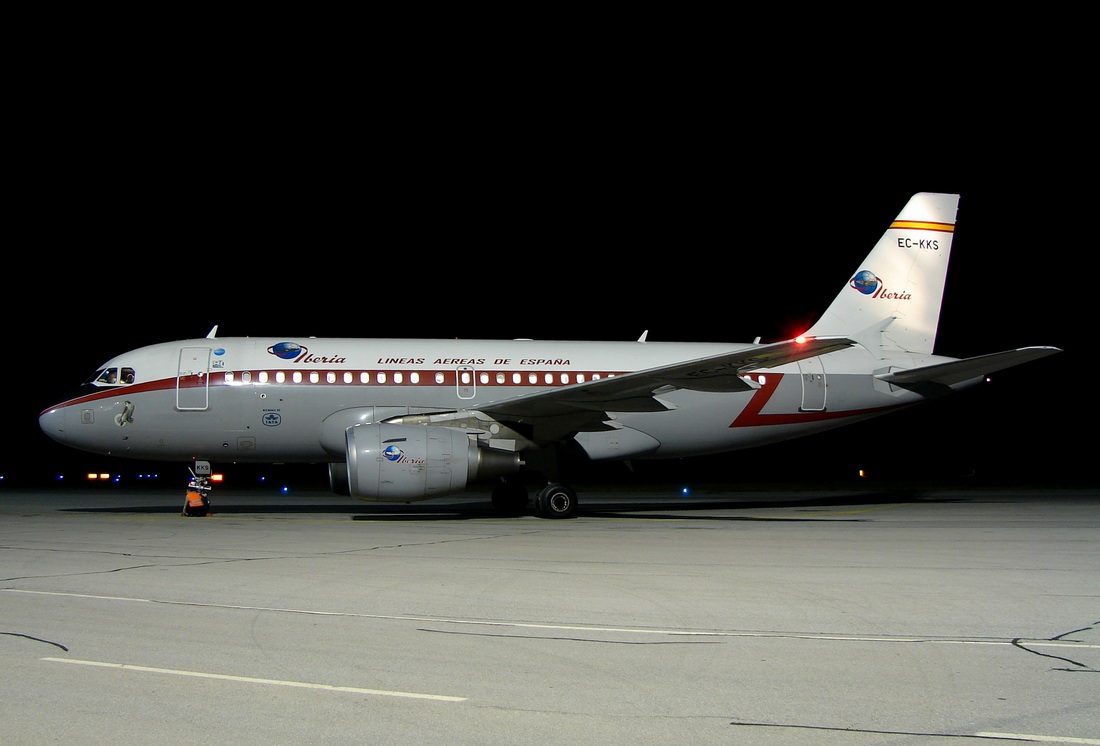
{"x": 553, "y": 500}
{"x": 556, "y": 501}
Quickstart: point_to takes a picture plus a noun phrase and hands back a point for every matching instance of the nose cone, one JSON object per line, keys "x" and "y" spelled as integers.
{"x": 52, "y": 422}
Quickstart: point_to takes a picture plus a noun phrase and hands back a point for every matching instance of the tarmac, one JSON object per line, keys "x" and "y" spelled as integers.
{"x": 877, "y": 614}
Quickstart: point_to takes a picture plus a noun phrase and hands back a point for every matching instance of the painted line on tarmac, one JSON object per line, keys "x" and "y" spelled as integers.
{"x": 1038, "y": 739}
{"x": 251, "y": 680}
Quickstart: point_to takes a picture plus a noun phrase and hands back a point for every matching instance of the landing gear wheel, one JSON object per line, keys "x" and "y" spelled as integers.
{"x": 510, "y": 498}
{"x": 556, "y": 501}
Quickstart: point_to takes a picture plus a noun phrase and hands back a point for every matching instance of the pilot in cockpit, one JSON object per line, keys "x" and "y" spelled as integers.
{"x": 110, "y": 376}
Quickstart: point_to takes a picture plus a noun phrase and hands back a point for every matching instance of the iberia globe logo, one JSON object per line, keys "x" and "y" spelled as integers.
{"x": 286, "y": 350}
{"x": 865, "y": 282}
{"x": 397, "y": 456}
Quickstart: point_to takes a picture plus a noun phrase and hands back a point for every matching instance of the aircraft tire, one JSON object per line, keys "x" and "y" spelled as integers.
{"x": 556, "y": 501}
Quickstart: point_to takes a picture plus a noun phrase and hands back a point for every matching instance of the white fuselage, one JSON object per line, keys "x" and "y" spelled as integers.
{"x": 269, "y": 400}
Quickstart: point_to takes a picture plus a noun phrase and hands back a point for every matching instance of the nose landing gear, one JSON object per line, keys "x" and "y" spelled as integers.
{"x": 197, "y": 501}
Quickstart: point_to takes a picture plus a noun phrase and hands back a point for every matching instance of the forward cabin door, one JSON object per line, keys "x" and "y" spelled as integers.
{"x": 193, "y": 379}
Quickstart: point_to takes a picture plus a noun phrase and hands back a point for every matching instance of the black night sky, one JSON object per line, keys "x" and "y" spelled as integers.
{"x": 596, "y": 221}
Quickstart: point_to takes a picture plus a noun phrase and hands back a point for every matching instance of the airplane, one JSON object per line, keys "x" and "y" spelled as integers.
{"x": 403, "y": 420}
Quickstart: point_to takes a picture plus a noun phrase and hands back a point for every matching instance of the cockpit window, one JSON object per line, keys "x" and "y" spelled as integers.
{"x": 113, "y": 376}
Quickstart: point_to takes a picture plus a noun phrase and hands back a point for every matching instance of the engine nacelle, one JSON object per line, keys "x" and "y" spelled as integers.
{"x": 403, "y": 463}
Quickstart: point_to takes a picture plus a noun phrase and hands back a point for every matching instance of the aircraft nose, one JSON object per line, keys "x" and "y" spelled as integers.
{"x": 52, "y": 422}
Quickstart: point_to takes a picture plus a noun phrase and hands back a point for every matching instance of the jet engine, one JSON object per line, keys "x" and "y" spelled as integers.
{"x": 403, "y": 463}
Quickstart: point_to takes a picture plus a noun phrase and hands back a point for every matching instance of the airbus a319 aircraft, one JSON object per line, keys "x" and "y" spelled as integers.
{"x": 400, "y": 420}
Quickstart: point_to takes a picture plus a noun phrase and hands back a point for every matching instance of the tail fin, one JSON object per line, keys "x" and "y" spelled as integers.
{"x": 893, "y": 300}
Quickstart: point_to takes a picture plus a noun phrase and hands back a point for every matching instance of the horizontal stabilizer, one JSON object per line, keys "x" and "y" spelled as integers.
{"x": 958, "y": 371}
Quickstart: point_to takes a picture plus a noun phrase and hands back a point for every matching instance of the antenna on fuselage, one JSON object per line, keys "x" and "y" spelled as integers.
{"x": 213, "y": 332}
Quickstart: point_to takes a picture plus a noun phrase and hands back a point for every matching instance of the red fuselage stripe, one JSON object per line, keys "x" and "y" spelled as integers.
{"x": 751, "y": 415}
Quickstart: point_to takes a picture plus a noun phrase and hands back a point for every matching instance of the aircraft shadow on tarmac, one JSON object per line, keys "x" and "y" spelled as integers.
{"x": 616, "y": 507}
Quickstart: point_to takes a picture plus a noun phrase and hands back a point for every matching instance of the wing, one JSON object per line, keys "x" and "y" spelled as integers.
{"x": 558, "y": 412}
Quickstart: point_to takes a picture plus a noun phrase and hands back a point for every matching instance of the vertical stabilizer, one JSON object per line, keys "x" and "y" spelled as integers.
{"x": 893, "y": 299}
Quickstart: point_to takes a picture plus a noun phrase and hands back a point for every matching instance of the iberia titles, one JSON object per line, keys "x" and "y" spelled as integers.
{"x": 300, "y": 354}
{"x": 541, "y": 361}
